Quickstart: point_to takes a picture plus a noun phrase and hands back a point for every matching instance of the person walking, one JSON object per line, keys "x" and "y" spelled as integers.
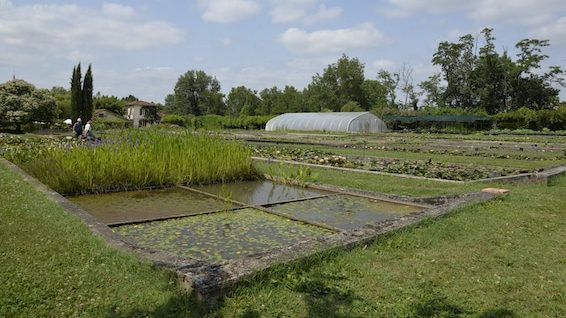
{"x": 78, "y": 129}
{"x": 88, "y": 131}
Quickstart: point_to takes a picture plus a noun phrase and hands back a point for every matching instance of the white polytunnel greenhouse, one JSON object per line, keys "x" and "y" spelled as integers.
{"x": 339, "y": 121}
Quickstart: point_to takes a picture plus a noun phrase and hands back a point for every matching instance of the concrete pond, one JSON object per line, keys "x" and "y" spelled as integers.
{"x": 216, "y": 223}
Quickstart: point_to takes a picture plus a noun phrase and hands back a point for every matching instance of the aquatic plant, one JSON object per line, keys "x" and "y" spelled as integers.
{"x": 295, "y": 175}
{"x": 134, "y": 159}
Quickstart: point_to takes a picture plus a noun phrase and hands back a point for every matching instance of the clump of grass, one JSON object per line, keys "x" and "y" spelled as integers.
{"x": 137, "y": 159}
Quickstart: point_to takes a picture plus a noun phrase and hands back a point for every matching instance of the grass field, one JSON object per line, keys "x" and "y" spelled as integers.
{"x": 503, "y": 258}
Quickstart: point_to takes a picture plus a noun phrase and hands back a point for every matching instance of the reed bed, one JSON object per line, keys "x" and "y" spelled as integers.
{"x": 134, "y": 159}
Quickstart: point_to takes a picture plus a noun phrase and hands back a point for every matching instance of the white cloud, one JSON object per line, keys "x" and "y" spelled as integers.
{"x": 260, "y": 77}
{"x": 118, "y": 11}
{"x": 227, "y": 42}
{"x": 522, "y": 12}
{"x": 306, "y": 11}
{"x": 153, "y": 69}
{"x": 66, "y": 28}
{"x": 226, "y": 11}
{"x": 383, "y": 64}
{"x": 402, "y": 8}
{"x": 555, "y": 32}
{"x": 323, "y": 14}
{"x": 285, "y": 11}
{"x": 329, "y": 41}
{"x": 525, "y": 12}
{"x": 152, "y": 83}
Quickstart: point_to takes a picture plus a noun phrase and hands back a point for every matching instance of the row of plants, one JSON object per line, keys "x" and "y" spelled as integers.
{"x": 423, "y": 168}
{"x": 519, "y": 152}
{"x": 217, "y": 122}
{"x": 526, "y": 132}
{"x": 533, "y": 151}
{"x": 131, "y": 159}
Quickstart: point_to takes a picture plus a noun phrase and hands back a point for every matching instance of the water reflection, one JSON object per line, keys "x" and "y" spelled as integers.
{"x": 260, "y": 192}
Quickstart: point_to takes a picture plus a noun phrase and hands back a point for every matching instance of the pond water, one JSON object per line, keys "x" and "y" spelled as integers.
{"x": 135, "y": 206}
{"x": 223, "y": 235}
{"x": 196, "y": 225}
{"x": 260, "y": 192}
{"x": 344, "y": 212}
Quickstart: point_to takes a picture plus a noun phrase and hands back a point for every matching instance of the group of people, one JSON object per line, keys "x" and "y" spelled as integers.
{"x": 83, "y": 132}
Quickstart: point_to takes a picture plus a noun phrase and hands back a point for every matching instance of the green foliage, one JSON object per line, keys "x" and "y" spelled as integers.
{"x": 174, "y": 119}
{"x": 111, "y": 103}
{"x": 101, "y": 124}
{"x": 376, "y": 94}
{"x": 82, "y": 105}
{"x": 292, "y": 174}
{"x": 339, "y": 83}
{"x": 22, "y": 103}
{"x": 525, "y": 118}
{"x": 351, "y": 106}
{"x": 389, "y": 81}
{"x": 275, "y": 101}
{"x": 137, "y": 159}
{"x": 490, "y": 81}
{"x": 76, "y": 93}
{"x": 197, "y": 93}
{"x": 432, "y": 89}
{"x": 242, "y": 101}
{"x": 88, "y": 106}
{"x": 429, "y": 110}
{"x": 62, "y": 98}
{"x": 215, "y": 122}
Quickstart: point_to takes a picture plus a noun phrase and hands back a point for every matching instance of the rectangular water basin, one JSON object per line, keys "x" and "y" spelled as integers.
{"x": 222, "y": 235}
{"x": 137, "y": 206}
{"x": 260, "y": 192}
{"x": 344, "y": 211}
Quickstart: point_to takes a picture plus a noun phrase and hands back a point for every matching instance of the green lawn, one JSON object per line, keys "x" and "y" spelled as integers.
{"x": 504, "y": 258}
{"x": 372, "y": 182}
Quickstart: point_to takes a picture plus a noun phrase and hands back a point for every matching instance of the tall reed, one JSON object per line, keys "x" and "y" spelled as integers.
{"x": 137, "y": 159}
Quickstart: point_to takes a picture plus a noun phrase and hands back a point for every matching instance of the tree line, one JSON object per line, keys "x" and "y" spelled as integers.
{"x": 472, "y": 79}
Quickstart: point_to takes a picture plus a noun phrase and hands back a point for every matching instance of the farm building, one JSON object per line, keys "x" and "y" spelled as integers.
{"x": 141, "y": 113}
{"x": 340, "y": 122}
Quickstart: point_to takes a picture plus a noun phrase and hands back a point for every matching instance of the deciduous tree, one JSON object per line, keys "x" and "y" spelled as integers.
{"x": 21, "y": 103}
{"x": 198, "y": 93}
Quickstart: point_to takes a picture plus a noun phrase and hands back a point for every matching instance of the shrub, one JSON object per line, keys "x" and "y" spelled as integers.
{"x": 525, "y": 118}
{"x": 174, "y": 119}
{"x": 216, "y": 122}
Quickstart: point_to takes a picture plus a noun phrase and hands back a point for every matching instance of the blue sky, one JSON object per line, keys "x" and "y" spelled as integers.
{"x": 141, "y": 47}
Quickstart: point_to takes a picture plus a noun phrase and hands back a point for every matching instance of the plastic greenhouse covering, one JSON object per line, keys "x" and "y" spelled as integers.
{"x": 339, "y": 121}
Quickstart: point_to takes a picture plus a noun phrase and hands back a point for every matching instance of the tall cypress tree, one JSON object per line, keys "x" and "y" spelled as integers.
{"x": 88, "y": 107}
{"x": 76, "y": 93}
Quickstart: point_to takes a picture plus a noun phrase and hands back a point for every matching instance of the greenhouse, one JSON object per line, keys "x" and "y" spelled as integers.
{"x": 340, "y": 122}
